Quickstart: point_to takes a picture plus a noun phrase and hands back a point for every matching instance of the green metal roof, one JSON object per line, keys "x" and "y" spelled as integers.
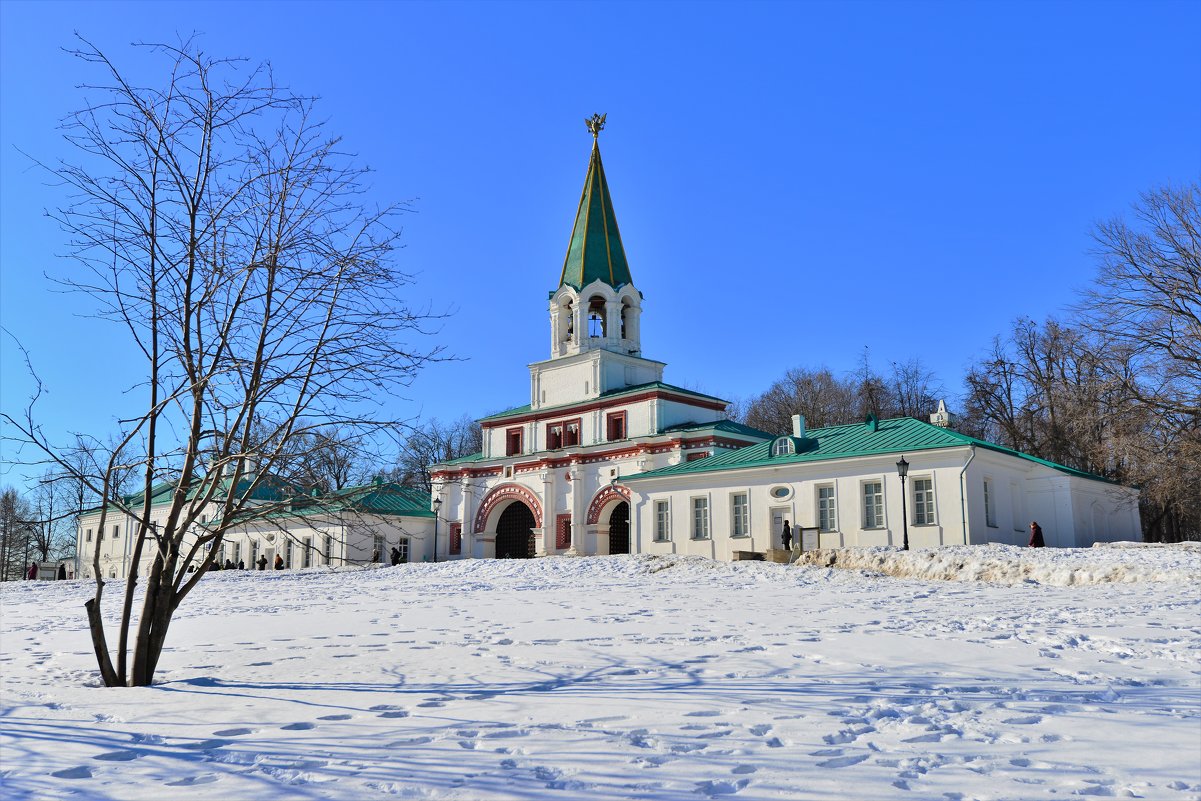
{"x": 901, "y": 435}
{"x": 595, "y": 251}
{"x": 613, "y": 393}
{"x": 728, "y": 426}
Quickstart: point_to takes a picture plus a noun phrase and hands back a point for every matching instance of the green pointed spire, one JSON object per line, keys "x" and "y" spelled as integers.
{"x": 595, "y": 251}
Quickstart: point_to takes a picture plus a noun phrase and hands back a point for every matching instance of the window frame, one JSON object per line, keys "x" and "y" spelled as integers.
{"x": 662, "y": 510}
{"x": 990, "y": 503}
{"x": 403, "y": 547}
{"x": 742, "y": 521}
{"x": 832, "y": 507}
{"x": 700, "y": 523}
{"x": 784, "y": 446}
{"x": 514, "y": 441}
{"x": 880, "y": 521}
{"x": 931, "y": 503}
{"x": 456, "y": 539}
{"x": 616, "y": 417}
{"x": 307, "y": 560}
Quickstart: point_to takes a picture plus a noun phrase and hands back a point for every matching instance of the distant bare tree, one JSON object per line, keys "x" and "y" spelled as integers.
{"x": 215, "y": 221}
{"x": 17, "y": 545}
{"x": 431, "y": 442}
{"x": 823, "y": 400}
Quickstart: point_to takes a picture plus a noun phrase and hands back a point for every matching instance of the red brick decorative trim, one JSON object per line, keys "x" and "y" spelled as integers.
{"x": 456, "y": 538}
{"x": 606, "y": 494}
{"x": 563, "y": 531}
{"x": 507, "y": 492}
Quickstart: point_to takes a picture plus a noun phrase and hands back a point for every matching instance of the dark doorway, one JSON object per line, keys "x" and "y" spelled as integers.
{"x": 619, "y": 529}
{"x": 514, "y": 538}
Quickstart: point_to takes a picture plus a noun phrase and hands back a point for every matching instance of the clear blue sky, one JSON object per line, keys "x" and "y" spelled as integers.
{"x": 793, "y": 181}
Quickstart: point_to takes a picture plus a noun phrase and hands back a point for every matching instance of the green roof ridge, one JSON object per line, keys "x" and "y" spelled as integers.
{"x": 611, "y": 393}
{"x": 595, "y": 251}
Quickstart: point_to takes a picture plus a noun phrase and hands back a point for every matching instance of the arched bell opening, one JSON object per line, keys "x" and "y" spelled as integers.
{"x": 514, "y": 532}
{"x": 597, "y": 328}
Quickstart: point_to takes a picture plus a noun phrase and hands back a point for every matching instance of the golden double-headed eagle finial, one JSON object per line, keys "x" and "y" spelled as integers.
{"x": 595, "y": 123}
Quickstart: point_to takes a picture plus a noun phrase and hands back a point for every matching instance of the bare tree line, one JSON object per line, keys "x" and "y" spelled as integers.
{"x": 1113, "y": 389}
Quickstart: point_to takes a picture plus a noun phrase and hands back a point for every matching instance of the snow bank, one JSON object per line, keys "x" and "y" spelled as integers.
{"x": 1008, "y": 564}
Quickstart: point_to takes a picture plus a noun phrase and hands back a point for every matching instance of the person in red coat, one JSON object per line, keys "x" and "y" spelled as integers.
{"x": 1036, "y": 535}
{"x": 32, "y": 575}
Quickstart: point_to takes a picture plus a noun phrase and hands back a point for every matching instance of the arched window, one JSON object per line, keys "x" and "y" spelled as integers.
{"x": 784, "y": 446}
{"x": 596, "y": 316}
{"x": 569, "y": 310}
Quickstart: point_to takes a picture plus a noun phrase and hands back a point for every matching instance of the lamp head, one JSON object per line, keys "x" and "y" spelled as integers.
{"x": 902, "y": 467}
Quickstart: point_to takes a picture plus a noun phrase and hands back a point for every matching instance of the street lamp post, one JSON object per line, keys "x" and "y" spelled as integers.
{"x": 437, "y": 506}
{"x": 903, "y": 471}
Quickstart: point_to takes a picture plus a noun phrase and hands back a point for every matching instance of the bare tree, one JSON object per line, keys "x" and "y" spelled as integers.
{"x": 216, "y": 221}
{"x": 17, "y": 544}
{"x": 433, "y": 442}
{"x": 822, "y": 398}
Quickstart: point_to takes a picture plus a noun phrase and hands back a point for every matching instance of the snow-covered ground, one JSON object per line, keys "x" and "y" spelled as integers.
{"x": 626, "y": 678}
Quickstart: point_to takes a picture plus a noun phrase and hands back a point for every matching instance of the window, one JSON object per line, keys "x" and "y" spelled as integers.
{"x": 615, "y": 426}
{"x": 571, "y": 433}
{"x": 563, "y": 434}
{"x": 783, "y": 446}
{"x": 89, "y": 535}
{"x": 990, "y": 504}
{"x": 554, "y": 436}
{"x": 116, "y": 532}
{"x": 513, "y": 442}
{"x": 456, "y": 538}
{"x": 780, "y": 492}
{"x": 662, "y": 520}
{"x": 288, "y": 556}
{"x": 221, "y": 555}
{"x": 237, "y": 552}
{"x": 740, "y": 514}
{"x": 923, "y": 501}
{"x": 308, "y": 552}
{"x": 700, "y": 518}
{"x": 563, "y": 531}
{"x": 873, "y": 504}
{"x": 380, "y": 545}
{"x": 328, "y": 548}
{"x": 827, "y": 509}
{"x": 99, "y": 535}
{"x": 403, "y": 547}
{"x": 254, "y": 553}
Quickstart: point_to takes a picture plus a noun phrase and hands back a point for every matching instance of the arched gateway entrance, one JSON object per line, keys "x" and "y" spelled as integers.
{"x": 619, "y": 529}
{"x": 514, "y": 534}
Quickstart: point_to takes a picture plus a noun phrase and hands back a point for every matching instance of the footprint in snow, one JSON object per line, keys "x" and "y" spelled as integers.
{"x": 232, "y": 732}
{"x": 842, "y": 762}
{"x": 335, "y": 717}
{"x": 711, "y": 788}
{"x": 81, "y": 772}
{"x": 760, "y": 729}
{"x": 1026, "y": 720}
{"x": 302, "y": 726}
{"x": 118, "y": 756}
{"x": 204, "y": 778}
{"x": 744, "y": 769}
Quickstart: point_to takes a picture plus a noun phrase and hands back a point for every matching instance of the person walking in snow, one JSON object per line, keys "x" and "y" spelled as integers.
{"x": 32, "y": 575}
{"x": 786, "y": 536}
{"x": 375, "y": 557}
{"x": 279, "y": 562}
{"x": 262, "y": 561}
{"x": 62, "y": 572}
{"x": 395, "y": 556}
{"x": 1036, "y": 535}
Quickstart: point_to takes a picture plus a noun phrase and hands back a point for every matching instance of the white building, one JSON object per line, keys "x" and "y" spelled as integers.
{"x": 606, "y": 458}
{"x": 345, "y": 527}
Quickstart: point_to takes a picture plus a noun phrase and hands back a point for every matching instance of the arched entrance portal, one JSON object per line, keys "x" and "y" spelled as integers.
{"x": 619, "y": 529}
{"x": 514, "y": 535}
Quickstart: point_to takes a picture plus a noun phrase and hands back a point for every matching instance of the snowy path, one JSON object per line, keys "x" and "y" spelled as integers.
{"x": 622, "y": 677}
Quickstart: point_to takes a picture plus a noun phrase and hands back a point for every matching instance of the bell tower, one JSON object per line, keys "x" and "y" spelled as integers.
{"x": 596, "y": 310}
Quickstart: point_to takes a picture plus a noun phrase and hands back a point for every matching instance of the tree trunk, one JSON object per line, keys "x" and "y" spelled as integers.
{"x": 100, "y": 644}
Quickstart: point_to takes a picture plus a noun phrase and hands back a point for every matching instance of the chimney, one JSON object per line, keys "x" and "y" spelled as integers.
{"x": 798, "y": 426}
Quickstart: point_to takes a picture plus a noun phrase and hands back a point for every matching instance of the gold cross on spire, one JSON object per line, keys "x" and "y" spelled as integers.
{"x": 596, "y": 124}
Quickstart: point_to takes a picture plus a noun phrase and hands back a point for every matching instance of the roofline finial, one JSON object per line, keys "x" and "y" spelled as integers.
{"x": 595, "y": 123}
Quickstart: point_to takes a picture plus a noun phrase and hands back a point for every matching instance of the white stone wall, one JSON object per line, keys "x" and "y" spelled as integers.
{"x": 1066, "y": 507}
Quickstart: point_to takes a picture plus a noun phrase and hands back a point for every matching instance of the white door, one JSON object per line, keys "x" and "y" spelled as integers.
{"x": 778, "y": 515}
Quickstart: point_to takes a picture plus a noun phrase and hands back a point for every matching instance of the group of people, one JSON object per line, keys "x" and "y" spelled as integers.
{"x": 32, "y": 573}
{"x": 396, "y": 556}
{"x": 1036, "y": 536}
